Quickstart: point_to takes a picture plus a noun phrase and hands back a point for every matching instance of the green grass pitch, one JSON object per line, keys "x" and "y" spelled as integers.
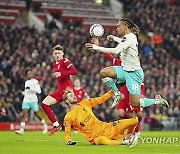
{"x": 34, "y": 142}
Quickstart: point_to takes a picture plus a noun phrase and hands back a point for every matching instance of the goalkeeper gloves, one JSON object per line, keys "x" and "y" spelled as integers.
{"x": 71, "y": 143}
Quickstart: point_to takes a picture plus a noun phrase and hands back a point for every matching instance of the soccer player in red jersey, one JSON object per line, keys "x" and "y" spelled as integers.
{"x": 63, "y": 68}
{"x": 79, "y": 91}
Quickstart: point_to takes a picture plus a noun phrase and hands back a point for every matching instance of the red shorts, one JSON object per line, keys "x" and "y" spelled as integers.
{"x": 60, "y": 92}
{"x": 124, "y": 104}
{"x": 57, "y": 95}
{"x": 132, "y": 109}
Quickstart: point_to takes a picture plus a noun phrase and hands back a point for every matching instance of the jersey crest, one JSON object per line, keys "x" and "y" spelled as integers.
{"x": 58, "y": 66}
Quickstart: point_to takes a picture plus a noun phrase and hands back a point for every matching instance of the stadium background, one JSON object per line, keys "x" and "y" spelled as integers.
{"x": 23, "y": 47}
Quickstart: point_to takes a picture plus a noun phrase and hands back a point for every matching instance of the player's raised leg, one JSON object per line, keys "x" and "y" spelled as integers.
{"x": 135, "y": 101}
{"x": 107, "y": 75}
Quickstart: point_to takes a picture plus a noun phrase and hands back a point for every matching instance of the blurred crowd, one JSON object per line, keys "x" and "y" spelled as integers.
{"x": 23, "y": 48}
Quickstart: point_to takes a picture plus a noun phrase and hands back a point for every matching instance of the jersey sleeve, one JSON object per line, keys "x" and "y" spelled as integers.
{"x": 67, "y": 123}
{"x": 108, "y": 56}
{"x": 117, "y": 39}
{"x": 113, "y": 60}
{"x": 125, "y": 44}
{"x": 71, "y": 69}
{"x": 92, "y": 102}
{"x": 117, "y": 62}
{"x": 67, "y": 63}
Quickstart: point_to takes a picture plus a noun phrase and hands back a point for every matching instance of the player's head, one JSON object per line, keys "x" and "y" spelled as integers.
{"x": 77, "y": 83}
{"x": 58, "y": 53}
{"x": 30, "y": 74}
{"x": 69, "y": 97}
{"x": 126, "y": 25}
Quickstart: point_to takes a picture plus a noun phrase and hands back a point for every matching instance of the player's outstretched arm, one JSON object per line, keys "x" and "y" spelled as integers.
{"x": 116, "y": 50}
{"x": 72, "y": 71}
{"x": 113, "y": 60}
{"x": 67, "y": 122}
{"x": 122, "y": 46}
{"x": 99, "y": 100}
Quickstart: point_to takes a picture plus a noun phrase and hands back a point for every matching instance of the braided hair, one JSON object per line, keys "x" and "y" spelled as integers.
{"x": 131, "y": 25}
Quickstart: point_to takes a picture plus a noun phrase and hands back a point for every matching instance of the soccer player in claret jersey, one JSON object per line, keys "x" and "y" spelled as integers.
{"x": 79, "y": 91}
{"x": 81, "y": 118}
{"x": 63, "y": 68}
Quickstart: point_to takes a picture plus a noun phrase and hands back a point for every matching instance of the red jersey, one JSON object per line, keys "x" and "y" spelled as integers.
{"x": 79, "y": 93}
{"x": 66, "y": 68}
{"x": 113, "y": 60}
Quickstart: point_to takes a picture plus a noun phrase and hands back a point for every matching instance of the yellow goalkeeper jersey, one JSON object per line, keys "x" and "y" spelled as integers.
{"x": 83, "y": 119}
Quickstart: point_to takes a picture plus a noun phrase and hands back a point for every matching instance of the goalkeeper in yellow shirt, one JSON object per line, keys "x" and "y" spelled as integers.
{"x": 81, "y": 118}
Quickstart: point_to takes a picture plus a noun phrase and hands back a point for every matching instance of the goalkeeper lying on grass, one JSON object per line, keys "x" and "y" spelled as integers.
{"x": 81, "y": 118}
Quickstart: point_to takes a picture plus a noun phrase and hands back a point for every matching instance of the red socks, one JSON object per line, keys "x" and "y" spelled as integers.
{"x": 49, "y": 112}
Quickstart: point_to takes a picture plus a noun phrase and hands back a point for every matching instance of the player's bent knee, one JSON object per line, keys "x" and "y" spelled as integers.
{"x": 103, "y": 73}
{"x": 44, "y": 103}
{"x": 49, "y": 101}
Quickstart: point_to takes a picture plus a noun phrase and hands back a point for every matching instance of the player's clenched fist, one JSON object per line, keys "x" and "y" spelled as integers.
{"x": 110, "y": 37}
{"x": 89, "y": 46}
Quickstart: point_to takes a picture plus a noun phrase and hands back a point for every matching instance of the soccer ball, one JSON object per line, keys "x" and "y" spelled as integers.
{"x": 96, "y": 30}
